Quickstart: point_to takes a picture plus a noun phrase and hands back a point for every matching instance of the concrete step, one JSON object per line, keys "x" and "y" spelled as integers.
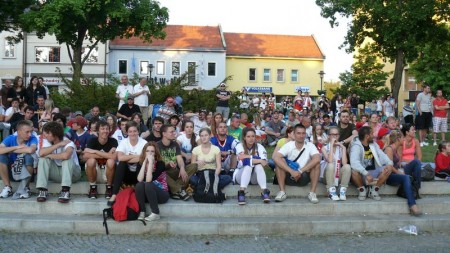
{"x": 80, "y": 205}
{"x": 269, "y": 225}
{"x": 428, "y": 188}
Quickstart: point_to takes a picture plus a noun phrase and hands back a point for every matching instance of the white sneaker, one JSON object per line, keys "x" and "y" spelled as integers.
{"x": 6, "y": 192}
{"x": 313, "y": 198}
{"x": 434, "y": 144}
{"x": 342, "y": 193}
{"x": 421, "y": 144}
{"x": 273, "y": 143}
{"x": 362, "y": 193}
{"x": 332, "y": 193}
{"x": 373, "y": 193}
{"x": 425, "y": 143}
{"x": 281, "y": 196}
{"x": 152, "y": 217}
{"x": 141, "y": 216}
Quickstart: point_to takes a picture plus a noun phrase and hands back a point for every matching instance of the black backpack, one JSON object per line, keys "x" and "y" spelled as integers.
{"x": 427, "y": 173}
{"x": 207, "y": 190}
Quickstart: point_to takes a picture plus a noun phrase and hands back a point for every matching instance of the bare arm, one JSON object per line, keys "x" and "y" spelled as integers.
{"x": 97, "y": 154}
{"x": 127, "y": 158}
{"x": 418, "y": 150}
{"x": 48, "y": 150}
{"x": 65, "y": 155}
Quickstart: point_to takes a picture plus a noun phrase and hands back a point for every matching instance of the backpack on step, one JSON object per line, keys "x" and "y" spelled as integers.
{"x": 207, "y": 189}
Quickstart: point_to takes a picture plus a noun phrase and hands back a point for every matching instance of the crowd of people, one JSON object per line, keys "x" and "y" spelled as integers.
{"x": 331, "y": 142}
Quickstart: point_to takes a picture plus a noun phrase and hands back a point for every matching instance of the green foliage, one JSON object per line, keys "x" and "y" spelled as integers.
{"x": 367, "y": 78}
{"x": 10, "y": 11}
{"x": 74, "y": 21}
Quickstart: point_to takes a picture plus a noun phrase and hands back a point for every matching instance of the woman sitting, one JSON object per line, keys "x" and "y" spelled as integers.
{"x": 253, "y": 158}
{"x": 187, "y": 141}
{"x": 410, "y": 153}
{"x": 152, "y": 185}
{"x": 442, "y": 160}
{"x": 143, "y": 130}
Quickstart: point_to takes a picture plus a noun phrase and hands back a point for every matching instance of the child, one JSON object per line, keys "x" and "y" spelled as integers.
{"x": 442, "y": 160}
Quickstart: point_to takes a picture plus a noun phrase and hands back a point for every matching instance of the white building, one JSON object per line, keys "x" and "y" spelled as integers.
{"x": 11, "y": 58}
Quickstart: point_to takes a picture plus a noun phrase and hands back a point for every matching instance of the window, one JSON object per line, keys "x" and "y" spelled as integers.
{"x": 160, "y": 68}
{"x": 266, "y": 75}
{"x": 48, "y": 54}
{"x": 211, "y": 69}
{"x": 10, "y": 51}
{"x": 93, "y": 56}
{"x": 123, "y": 67}
{"x": 143, "y": 68}
{"x": 294, "y": 75}
{"x": 176, "y": 68}
{"x": 252, "y": 74}
{"x": 280, "y": 75}
{"x": 191, "y": 73}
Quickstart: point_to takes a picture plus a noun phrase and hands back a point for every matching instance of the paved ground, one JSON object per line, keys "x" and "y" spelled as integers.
{"x": 389, "y": 242}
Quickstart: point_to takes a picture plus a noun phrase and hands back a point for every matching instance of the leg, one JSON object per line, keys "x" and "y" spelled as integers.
{"x": 91, "y": 170}
{"x": 357, "y": 179}
{"x": 172, "y": 180}
{"x": 261, "y": 176}
{"x": 110, "y": 169}
{"x": 4, "y": 162}
{"x": 70, "y": 172}
{"x": 344, "y": 175}
{"x": 403, "y": 181}
{"x": 245, "y": 176}
{"x": 29, "y": 161}
{"x": 43, "y": 174}
{"x": 314, "y": 174}
{"x": 414, "y": 169}
{"x": 281, "y": 176}
{"x": 119, "y": 175}
{"x": 329, "y": 175}
{"x": 140, "y": 195}
{"x": 383, "y": 176}
{"x": 224, "y": 180}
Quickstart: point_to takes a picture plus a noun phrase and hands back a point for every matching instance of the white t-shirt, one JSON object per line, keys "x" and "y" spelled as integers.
{"x": 141, "y": 100}
{"x": 126, "y": 147}
{"x": 425, "y": 102}
{"x": 74, "y": 157}
{"x": 290, "y": 151}
{"x": 263, "y": 103}
{"x": 198, "y": 124}
{"x": 118, "y": 135}
{"x": 186, "y": 146}
{"x": 9, "y": 111}
{"x": 122, "y": 91}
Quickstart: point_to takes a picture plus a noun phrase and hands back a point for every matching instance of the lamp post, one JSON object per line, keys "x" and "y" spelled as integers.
{"x": 321, "y": 74}
{"x": 150, "y": 69}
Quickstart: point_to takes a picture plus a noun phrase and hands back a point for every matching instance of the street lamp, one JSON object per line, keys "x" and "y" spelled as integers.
{"x": 150, "y": 69}
{"x": 321, "y": 74}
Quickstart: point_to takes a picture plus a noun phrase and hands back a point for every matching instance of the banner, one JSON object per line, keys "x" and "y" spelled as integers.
{"x": 302, "y": 88}
{"x": 251, "y": 89}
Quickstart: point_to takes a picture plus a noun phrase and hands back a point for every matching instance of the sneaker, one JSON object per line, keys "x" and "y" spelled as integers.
{"x": 421, "y": 144}
{"x": 434, "y": 144}
{"x": 313, "y": 198}
{"x": 281, "y": 196}
{"x": 183, "y": 195}
{"x": 425, "y": 143}
{"x": 42, "y": 196}
{"x": 175, "y": 195}
{"x": 373, "y": 193}
{"x": 141, "y": 216}
{"x": 92, "y": 192}
{"x": 342, "y": 193}
{"x": 332, "y": 194}
{"x": 26, "y": 195}
{"x": 6, "y": 192}
{"x": 265, "y": 195}
{"x": 64, "y": 197}
{"x": 273, "y": 143}
{"x": 152, "y": 217}
{"x": 108, "y": 192}
{"x": 362, "y": 193}
{"x": 241, "y": 198}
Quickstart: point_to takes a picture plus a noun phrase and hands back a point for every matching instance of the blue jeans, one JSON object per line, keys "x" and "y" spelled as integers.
{"x": 271, "y": 164}
{"x": 414, "y": 169}
{"x": 224, "y": 180}
{"x": 355, "y": 111}
{"x": 4, "y": 159}
{"x": 403, "y": 181}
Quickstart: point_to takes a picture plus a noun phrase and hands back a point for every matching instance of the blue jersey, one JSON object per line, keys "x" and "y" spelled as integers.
{"x": 229, "y": 143}
{"x": 80, "y": 140}
{"x": 11, "y": 141}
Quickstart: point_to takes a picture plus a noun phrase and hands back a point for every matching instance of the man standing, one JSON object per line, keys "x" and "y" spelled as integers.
{"x": 440, "y": 106}
{"x": 100, "y": 155}
{"x": 15, "y": 152}
{"x": 141, "y": 94}
{"x": 124, "y": 91}
{"x": 354, "y": 101}
{"x": 275, "y": 129}
{"x": 424, "y": 119}
{"x": 58, "y": 162}
{"x": 306, "y": 155}
{"x": 126, "y": 110}
{"x": 222, "y": 103}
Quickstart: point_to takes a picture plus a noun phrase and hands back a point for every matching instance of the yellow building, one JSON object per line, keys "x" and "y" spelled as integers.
{"x": 281, "y": 64}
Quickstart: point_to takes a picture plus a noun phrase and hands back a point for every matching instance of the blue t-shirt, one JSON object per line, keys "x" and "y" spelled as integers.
{"x": 229, "y": 144}
{"x": 11, "y": 141}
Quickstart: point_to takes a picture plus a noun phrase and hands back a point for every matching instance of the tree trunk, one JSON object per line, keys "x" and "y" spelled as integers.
{"x": 396, "y": 81}
{"x": 76, "y": 64}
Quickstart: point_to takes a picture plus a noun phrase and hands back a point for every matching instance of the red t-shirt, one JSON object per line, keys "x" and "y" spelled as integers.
{"x": 440, "y": 113}
{"x": 442, "y": 162}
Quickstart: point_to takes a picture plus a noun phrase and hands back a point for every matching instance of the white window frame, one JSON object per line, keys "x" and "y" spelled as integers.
{"x": 264, "y": 75}
{"x": 160, "y": 68}
{"x": 292, "y": 80}
{"x": 179, "y": 68}
{"x": 8, "y": 47}
{"x": 282, "y": 77}
{"x": 48, "y": 55}
{"x": 195, "y": 71}
{"x": 143, "y": 67}
{"x": 126, "y": 67}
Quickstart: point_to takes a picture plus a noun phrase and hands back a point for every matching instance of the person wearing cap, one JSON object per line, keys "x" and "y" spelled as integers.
{"x": 383, "y": 137}
{"x": 79, "y": 135}
{"x": 141, "y": 95}
{"x": 167, "y": 109}
{"x": 223, "y": 97}
{"x": 124, "y": 91}
{"x": 128, "y": 109}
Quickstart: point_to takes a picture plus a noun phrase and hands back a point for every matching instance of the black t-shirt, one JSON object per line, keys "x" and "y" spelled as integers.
{"x": 127, "y": 111}
{"x": 7, "y": 93}
{"x": 169, "y": 153}
{"x": 152, "y": 137}
{"x": 160, "y": 168}
{"x": 222, "y": 103}
{"x": 369, "y": 161}
{"x": 93, "y": 143}
{"x": 344, "y": 133}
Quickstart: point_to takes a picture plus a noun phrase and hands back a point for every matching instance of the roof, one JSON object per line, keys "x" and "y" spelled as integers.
{"x": 179, "y": 37}
{"x": 267, "y": 45}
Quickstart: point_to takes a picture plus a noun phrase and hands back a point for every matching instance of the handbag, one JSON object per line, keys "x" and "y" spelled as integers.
{"x": 427, "y": 173}
{"x": 293, "y": 164}
{"x": 414, "y": 188}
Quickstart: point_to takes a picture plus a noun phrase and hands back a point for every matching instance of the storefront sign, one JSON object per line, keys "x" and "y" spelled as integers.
{"x": 302, "y": 88}
{"x": 251, "y": 89}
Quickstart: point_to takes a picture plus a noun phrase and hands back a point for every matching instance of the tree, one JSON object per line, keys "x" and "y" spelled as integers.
{"x": 74, "y": 21}
{"x": 367, "y": 78}
{"x": 10, "y": 11}
{"x": 397, "y": 28}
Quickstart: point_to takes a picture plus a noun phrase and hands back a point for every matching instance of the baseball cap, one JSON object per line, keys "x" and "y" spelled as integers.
{"x": 222, "y": 85}
{"x": 78, "y": 113}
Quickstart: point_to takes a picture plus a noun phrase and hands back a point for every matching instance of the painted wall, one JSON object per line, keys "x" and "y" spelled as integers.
{"x": 10, "y": 67}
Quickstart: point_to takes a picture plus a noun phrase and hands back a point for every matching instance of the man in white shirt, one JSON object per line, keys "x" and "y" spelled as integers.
{"x": 141, "y": 94}
{"x": 124, "y": 91}
{"x": 58, "y": 162}
{"x": 425, "y": 118}
{"x": 199, "y": 120}
{"x": 6, "y": 126}
{"x": 121, "y": 133}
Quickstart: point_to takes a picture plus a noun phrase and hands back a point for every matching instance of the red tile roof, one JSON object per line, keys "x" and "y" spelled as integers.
{"x": 179, "y": 37}
{"x": 265, "y": 45}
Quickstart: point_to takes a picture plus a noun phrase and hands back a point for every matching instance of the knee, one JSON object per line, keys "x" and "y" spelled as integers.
{"x": 111, "y": 164}
{"x": 91, "y": 162}
{"x": 346, "y": 169}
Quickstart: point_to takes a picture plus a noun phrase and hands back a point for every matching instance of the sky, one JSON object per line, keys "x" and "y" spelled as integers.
{"x": 290, "y": 17}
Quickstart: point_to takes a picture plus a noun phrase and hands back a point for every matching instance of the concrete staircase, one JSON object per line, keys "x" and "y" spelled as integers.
{"x": 296, "y": 215}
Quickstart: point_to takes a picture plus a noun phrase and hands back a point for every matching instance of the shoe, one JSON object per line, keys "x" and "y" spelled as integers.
{"x": 434, "y": 144}
{"x": 421, "y": 144}
{"x": 265, "y": 195}
{"x": 362, "y": 193}
{"x": 92, "y": 192}
{"x": 414, "y": 211}
{"x": 183, "y": 195}
{"x": 281, "y": 196}
{"x": 175, "y": 195}
{"x": 152, "y": 217}
{"x": 42, "y": 197}
{"x": 6, "y": 192}
{"x": 313, "y": 198}
{"x": 64, "y": 197}
{"x": 342, "y": 193}
{"x": 373, "y": 193}
{"x": 241, "y": 198}
{"x": 425, "y": 143}
{"x": 108, "y": 192}
{"x": 273, "y": 143}
{"x": 141, "y": 216}
{"x": 110, "y": 203}
{"x": 332, "y": 194}
{"x": 26, "y": 195}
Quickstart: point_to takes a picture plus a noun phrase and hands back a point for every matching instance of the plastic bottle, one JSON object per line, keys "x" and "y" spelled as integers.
{"x": 409, "y": 229}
